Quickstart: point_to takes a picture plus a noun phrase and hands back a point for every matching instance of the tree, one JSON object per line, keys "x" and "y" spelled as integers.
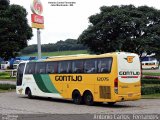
{"x": 14, "y": 29}
{"x": 68, "y": 44}
{"x": 123, "y": 28}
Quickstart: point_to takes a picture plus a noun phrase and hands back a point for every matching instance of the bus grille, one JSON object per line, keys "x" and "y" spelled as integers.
{"x": 105, "y": 92}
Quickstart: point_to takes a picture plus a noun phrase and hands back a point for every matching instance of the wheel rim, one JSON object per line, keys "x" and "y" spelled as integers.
{"x": 76, "y": 98}
{"x": 29, "y": 94}
{"x": 88, "y": 99}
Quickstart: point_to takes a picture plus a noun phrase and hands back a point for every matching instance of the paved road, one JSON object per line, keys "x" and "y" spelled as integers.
{"x": 17, "y": 107}
{"x": 11, "y": 103}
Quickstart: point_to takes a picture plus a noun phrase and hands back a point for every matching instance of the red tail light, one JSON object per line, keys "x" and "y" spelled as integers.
{"x": 141, "y": 75}
{"x": 141, "y": 71}
{"x": 116, "y": 85}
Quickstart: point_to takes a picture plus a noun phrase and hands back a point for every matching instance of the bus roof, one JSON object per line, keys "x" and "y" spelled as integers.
{"x": 83, "y": 56}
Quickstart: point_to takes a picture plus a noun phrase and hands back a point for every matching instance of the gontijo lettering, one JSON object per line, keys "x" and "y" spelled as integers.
{"x": 129, "y": 73}
{"x": 68, "y": 78}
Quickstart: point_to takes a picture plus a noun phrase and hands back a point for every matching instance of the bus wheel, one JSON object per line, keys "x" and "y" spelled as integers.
{"x": 88, "y": 98}
{"x": 77, "y": 98}
{"x": 111, "y": 103}
{"x": 29, "y": 93}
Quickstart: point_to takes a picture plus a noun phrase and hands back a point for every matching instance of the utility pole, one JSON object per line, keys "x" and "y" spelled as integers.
{"x": 39, "y": 43}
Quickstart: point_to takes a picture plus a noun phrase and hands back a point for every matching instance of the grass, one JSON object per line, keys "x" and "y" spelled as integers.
{"x": 151, "y": 74}
{"x": 151, "y": 96}
{"x": 6, "y": 76}
{"x": 7, "y": 79}
{"x": 59, "y": 53}
{"x": 2, "y": 91}
{"x": 7, "y": 86}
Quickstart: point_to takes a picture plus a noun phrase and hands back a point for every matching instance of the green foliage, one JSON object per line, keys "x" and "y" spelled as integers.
{"x": 150, "y": 90}
{"x": 7, "y": 86}
{"x": 4, "y": 3}
{"x": 151, "y": 74}
{"x": 123, "y": 28}
{"x": 69, "y": 44}
{"x": 150, "y": 86}
{"x": 73, "y": 52}
{"x": 150, "y": 81}
{"x": 14, "y": 30}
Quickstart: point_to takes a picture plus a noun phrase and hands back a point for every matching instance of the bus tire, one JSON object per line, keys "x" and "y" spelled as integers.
{"x": 88, "y": 98}
{"x": 77, "y": 98}
{"x": 111, "y": 103}
{"x": 29, "y": 93}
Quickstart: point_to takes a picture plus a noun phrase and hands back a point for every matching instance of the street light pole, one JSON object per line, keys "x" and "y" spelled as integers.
{"x": 39, "y": 43}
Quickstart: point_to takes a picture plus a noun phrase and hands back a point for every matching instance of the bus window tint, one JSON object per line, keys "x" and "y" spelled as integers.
{"x": 90, "y": 66}
{"x": 30, "y": 68}
{"x": 77, "y": 66}
{"x": 40, "y": 68}
{"x": 104, "y": 65}
{"x": 51, "y": 67}
{"x": 64, "y": 67}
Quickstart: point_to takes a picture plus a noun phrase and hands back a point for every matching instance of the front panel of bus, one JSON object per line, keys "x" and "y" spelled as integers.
{"x": 20, "y": 74}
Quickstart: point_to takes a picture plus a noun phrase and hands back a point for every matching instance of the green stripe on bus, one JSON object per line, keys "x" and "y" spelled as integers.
{"x": 48, "y": 83}
{"x": 44, "y": 83}
{"x": 40, "y": 83}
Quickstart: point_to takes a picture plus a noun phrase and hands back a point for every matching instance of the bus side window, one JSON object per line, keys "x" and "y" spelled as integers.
{"x": 64, "y": 67}
{"x": 104, "y": 65}
{"x": 90, "y": 66}
{"x": 30, "y": 68}
{"x": 77, "y": 66}
{"x": 51, "y": 67}
{"x": 40, "y": 68}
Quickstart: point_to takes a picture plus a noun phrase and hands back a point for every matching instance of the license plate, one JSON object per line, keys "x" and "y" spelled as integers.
{"x": 130, "y": 94}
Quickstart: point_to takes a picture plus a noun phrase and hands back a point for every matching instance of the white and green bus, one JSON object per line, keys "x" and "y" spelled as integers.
{"x": 110, "y": 77}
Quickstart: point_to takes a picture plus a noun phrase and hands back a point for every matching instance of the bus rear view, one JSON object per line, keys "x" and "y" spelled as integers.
{"x": 128, "y": 83}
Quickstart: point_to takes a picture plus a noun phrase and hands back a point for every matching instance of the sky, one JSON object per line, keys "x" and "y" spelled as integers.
{"x": 63, "y": 22}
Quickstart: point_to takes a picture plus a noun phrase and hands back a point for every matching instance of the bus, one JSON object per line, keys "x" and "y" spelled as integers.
{"x": 150, "y": 64}
{"x": 85, "y": 79}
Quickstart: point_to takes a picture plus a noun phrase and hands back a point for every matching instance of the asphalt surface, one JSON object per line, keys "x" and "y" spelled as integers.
{"x": 16, "y": 107}
{"x": 11, "y": 103}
